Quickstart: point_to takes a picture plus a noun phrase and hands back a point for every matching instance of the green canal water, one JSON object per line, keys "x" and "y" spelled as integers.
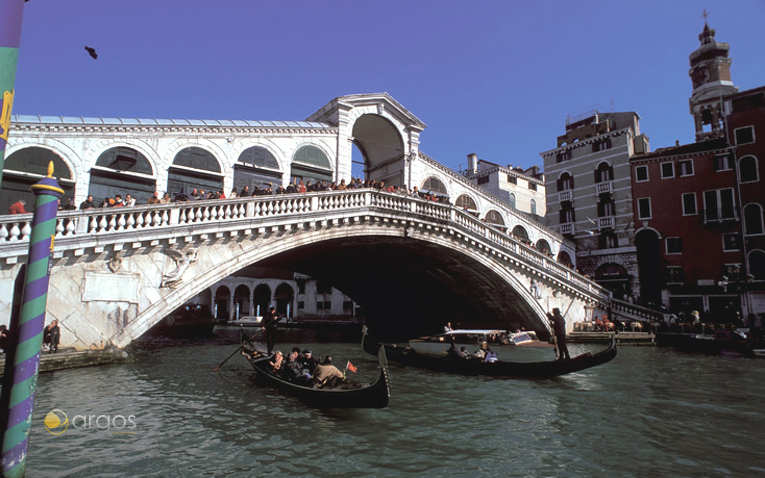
{"x": 652, "y": 412}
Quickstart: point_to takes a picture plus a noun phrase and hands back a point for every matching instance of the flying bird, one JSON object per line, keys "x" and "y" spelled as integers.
{"x": 92, "y": 52}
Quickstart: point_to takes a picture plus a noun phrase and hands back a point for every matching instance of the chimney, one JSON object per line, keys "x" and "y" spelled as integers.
{"x": 472, "y": 163}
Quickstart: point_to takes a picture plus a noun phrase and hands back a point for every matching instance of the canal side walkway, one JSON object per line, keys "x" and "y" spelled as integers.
{"x": 68, "y": 357}
{"x": 622, "y": 338}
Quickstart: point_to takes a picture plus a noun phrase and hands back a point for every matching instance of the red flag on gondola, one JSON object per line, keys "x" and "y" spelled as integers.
{"x": 351, "y": 367}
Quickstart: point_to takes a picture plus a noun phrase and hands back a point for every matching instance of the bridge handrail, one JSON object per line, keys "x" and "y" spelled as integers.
{"x": 17, "y": 228}
{"x": 635, "y": 311}
{"x": 496, "y": 200}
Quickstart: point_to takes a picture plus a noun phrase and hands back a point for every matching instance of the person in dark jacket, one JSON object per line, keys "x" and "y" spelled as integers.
{"x": 559, "y": 327}
{"x": 270, "y": 325}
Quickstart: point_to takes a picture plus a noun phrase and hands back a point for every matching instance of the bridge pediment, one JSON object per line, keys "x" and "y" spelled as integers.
{"x": 379, "y": 103}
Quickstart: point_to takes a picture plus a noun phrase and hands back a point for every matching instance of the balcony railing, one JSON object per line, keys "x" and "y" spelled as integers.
{"x": 604, "y": 187}
{"x": 567, "y": 228}
{"x": 565, "y": 196}
{"x": 605, "y": 222}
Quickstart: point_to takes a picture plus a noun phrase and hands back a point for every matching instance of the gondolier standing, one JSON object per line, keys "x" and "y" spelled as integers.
{"x": 270, "y": 324}
{"x": 559, "y": 327}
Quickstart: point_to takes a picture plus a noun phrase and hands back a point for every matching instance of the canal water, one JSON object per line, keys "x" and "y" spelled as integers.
{"x": 652, "y": 412}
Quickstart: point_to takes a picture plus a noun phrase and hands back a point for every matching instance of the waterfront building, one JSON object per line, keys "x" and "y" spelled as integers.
{"x": 589, "y": 196}
{"x": 522, "y": 189}
{"x": 699, "y": 207}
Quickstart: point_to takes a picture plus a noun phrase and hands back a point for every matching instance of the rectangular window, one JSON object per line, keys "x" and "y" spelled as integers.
{"x": 674, "y": 245}
{"x": 722, "y": 162}
{"x": 512, "y": 179}
{"x": 686, "y": 167}
{"x": 563, "y": 156}
{"x": 601, "y": 145}
{"x": 328, "y": 305}
{"x": 667, "y": 170}
{"x": 301, "y": 286}
{"x": 689, "y": 204}
{"x": 532, "y": 186}
{"x": 744, "y": 135}
{"x": 320, "y": 305}
{"x": 347, "y": 305}
{"x": 675, "y": 275}
{"x": 731, "y": 242}
{"x": 323, "y": 288}
{"x": 644, "y": 208}
{"x": 719, "y": 205}
{"x": 641, "y": 173}
{"x": 301, "y": 305}
{"x": 483, "y": 179}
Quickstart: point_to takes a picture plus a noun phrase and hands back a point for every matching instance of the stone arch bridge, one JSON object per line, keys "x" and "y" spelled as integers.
{"x": 411, "y": 264}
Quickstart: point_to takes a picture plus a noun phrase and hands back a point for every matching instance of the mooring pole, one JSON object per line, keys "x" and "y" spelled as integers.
{"x": 22, "y": 382}
{"x": 10, "y": 37}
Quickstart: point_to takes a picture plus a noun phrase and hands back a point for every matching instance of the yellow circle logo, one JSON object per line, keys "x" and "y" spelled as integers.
{"x": 56, "y": 422}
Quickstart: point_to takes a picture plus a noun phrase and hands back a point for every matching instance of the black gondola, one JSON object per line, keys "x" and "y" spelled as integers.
{"x": 547, "y": 369}
{"x": 351, "y": 395}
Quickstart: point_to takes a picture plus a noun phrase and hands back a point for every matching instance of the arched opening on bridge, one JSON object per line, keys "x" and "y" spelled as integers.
{"x": 285, "y": 297}
{"x": 495, "y": 218}
{"x": 467, "y": 203}
{"x": 381, "y": 147}
{"x": 565, "y": 259}
{"x": 194, "y": 168}
{"x": 242, "y": 301}
{"x": 543, "y": 246}
{"x": 256, "y": 167}
{"x": 222, "y": 298}
{"x": 122, "y": 170}
{"x": 311, "y": 164}
{"x": 757, "y": 264}
{"x": 649, "y": 265}
{"x": 519, "y": 232}
{"x": 615, "y": 278}
{"x": 434, "y": 185}
{"x": 28, "y": 166}
{"x": 261, "y": 300}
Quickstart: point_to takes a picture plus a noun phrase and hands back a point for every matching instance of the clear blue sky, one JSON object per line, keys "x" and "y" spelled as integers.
{"x": 493, "y": 77}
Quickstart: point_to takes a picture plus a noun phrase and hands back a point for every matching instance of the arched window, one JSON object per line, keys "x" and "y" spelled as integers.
{"x": 519, "y": 232}
{"x": 747, "y": 167}
{"x": 241, "y": 301}
{"x": 194, "y": 168}
{"x": 494, "y": 217}
{"x": 466, "y": 202}
{"x": 434, "y": 185}
{"x": 753, "y": 219}
{"x": 543, "y": 246}
{"x": 309, "y": 163}
{"x": 533, "y": 207}
{"x": 26, "y": 167}
{"x": 108, "y": 178}
{"x": 565, "y": 259}
{"x": 256, "y": 167}
{"x": 511, "y": 200}
{"x": 757, "y": 264}
{"x": 261, "y": 300}
{"x": 604, "y": 173}
{"x": 565, "y": 182}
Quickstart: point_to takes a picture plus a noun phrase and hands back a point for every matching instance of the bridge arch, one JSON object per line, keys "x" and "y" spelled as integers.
{"x": 420, "y": 282}
{"x": 25, "y": 166}
{"x": 311, "y": 162}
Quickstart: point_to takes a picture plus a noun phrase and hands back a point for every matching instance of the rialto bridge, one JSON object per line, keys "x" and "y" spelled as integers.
{"x": 412, "y": 264}
{"x": 409, "y": 262}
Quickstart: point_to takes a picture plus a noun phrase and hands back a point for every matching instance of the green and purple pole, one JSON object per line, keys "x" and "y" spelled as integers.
{"x": 10, "y": 37}
{"x": 29, "y": 335}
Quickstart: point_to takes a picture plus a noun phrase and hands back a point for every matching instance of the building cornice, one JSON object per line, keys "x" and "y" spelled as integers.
{"x": 578, "y": 144}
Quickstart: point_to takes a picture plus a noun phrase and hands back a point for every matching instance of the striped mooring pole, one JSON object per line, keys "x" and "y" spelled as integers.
{"x": 10, "y": 37}
{"x": 29, "y": 334}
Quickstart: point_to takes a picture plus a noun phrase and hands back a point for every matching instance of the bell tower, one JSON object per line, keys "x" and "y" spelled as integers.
{"x": 710, "y": 73}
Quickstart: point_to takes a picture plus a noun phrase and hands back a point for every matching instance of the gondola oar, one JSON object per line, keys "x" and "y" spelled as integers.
{"x": 237, "y": 350}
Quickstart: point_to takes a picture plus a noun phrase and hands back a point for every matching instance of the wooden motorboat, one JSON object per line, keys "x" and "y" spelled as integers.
{"x": 523, "y": 346}
{"x": 349, "y": 394}
{"x": 541, "y": 369}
